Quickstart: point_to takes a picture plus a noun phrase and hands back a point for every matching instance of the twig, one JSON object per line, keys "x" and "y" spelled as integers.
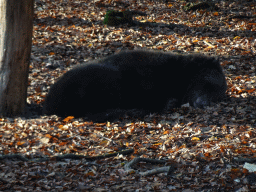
{"x": 209, "y": 44}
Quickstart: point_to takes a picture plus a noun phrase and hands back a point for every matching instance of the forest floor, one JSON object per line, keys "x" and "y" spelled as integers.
{"x": 212, "y": 149}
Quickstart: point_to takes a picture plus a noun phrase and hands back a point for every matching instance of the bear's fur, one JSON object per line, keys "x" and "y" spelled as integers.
{"x": 146, "y": 80}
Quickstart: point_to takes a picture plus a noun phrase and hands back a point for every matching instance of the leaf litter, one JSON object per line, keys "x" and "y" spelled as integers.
{"x": 200, "y": 150}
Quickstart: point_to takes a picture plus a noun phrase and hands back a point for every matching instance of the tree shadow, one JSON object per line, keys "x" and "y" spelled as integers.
{"x": 208, "y": 31}
{"x": 62, "y": 21}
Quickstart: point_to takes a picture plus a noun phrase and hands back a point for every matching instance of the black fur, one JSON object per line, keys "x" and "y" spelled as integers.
{"x": 145, "y": 80}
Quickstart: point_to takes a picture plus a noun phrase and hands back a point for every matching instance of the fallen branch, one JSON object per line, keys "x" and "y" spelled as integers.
{"x": 13, "y": 157}
{"x": 245, "y": 159}
{"x": 16, "y": 157}
{"x": 128, "y": 166}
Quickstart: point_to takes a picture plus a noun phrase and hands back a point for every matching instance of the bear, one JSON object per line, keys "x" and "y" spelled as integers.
{"x": 104, "y": 89}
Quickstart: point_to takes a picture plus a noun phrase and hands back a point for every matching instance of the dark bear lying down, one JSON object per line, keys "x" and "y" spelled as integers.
{"x": 144, "y": 80}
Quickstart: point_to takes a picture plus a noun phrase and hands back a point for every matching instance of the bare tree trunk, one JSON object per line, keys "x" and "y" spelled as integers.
{"x": 16, "y": 25}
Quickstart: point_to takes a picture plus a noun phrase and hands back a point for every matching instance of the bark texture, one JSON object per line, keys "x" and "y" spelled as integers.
{"x": 16, "y": 25}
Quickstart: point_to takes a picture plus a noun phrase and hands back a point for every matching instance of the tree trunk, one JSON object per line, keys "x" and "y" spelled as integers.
{"x": 16, "y": 25}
